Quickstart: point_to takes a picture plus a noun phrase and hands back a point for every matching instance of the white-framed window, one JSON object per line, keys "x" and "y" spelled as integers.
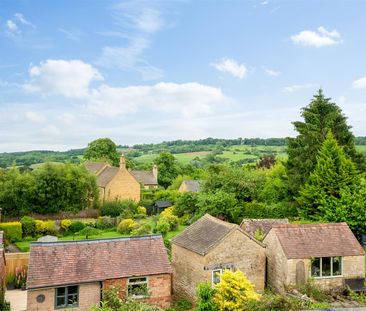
{"x": 324, "y": 267}
{"x": 137, "y": 287}
{"x": 216, "y": 276}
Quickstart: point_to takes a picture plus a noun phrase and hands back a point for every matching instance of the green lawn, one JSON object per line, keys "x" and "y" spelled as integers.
{"x": 24, "y": 245}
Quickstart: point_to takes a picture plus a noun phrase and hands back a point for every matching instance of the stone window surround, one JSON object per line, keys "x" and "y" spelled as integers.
{"x": 137, "y": 283}
{"x": 331, "y": 269}
{"x": 66, "y": 297}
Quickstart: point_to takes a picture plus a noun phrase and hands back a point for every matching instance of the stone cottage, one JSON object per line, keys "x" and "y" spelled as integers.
{"x": 115, "y": 183}
{"x": 327, "y": 253}
{"x": 209, "y": 246}
{"x": 72, "y": 274}
{"x": 147, "y": 179}
{"x": 190, "y": 186}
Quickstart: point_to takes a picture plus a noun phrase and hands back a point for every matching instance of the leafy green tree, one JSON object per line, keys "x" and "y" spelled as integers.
{"x": 88, "y": 232}
{"x": 205, "y": 294}
{"x": 219, "y": 204}
{"x": 102, "y": 149}
{"x": 335, "y": 190}
{"x": 168, "y": 168}
{"x": 320, "y": 116}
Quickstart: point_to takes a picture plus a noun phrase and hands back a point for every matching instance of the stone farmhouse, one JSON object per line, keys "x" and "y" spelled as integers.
{"x": 72, "y": 274}
{"x": 147, "y": 179}
{"x": 207, "y": 247}
{"x": 190, "y": 186}
{"x": 115, "y": 183}
{"x": 328, "y": 253}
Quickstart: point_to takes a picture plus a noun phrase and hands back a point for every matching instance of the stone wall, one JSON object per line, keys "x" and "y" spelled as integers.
{"x": 235, "y": 251}
{"x": 276, "y": 263}
{"x": 89, "y": 294}
{"x": 159, "y": 287}
{"x": 123, "y": 187}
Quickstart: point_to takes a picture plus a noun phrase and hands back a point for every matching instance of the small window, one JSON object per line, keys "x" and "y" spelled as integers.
{"x": 67, "y": 297}
{"x": 326, "y": 267}
{"x": 216, "y": 276}
{"x": 137, "y": 287}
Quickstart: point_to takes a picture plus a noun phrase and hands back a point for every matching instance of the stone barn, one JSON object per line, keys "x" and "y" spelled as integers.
{"x": 327, "y": 253}
{"x": 208, "y": 247}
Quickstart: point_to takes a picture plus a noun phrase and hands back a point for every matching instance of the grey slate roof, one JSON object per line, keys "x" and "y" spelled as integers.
{"x": 107, "y": 175}
{"x": 205, "y": 233}
{"x": 317, "y": 240}
{"x": 145, "y": 177}
{"x": 265, "y": 225}
{"x": 192, "y": 185}
{"x": 94, "y": 167}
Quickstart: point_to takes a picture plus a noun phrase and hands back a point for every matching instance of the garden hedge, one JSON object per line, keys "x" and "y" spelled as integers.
{"x": 12, "y": 231}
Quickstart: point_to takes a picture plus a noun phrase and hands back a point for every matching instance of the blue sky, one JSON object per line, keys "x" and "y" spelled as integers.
{"x": 147, "y": 71}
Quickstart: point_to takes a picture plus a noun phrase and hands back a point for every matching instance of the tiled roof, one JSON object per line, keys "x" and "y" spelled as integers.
{"x": 75, "y": 262}
{"x": 192, "y": 185}
{"x": 162, "y": 204}
{"x": 205, "y": 233}
{"x": 94, "y": 167}
{"x": 145, "y": 177}
{"x": 252, "y": 225}
{"x": 317, "y": 240}
{"x": 107, "y": 175}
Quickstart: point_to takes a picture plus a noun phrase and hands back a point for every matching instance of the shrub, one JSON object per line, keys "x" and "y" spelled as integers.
{"x": 76, "y": 226}
{"x": 167, "y": 215}
{"x": 40, "y": 226}
{"x": 162, "y": 226}
{"x": 313, "y": 291}
{"x": 65, "y": 224}
{"x": 233, "y": 291}
{"x": 142, "y": 230}
{"x": 88, "y": 232}
{"x": 28, "y": 226}
{"x": 50, "y": 227}
{"x": 125, "y": 208}
{"x": 126, "y": 226}
{"x": 105, "y": 222}
{"x": 205, "y": 294}
{"x": 141, "y": 210}
{"x": 12, "y": 231}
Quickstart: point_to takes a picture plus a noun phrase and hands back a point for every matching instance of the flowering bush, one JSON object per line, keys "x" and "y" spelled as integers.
{"x": 126, "y": 226}
{"x": 40, "y": 226}
{"x": 20, "y": 276}
{"x": 65, "y": 224}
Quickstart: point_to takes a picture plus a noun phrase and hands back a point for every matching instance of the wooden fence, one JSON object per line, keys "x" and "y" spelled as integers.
{"x": 15, "y": 260}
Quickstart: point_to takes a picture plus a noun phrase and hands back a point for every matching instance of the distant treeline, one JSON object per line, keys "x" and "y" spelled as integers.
{"x": 28, "y": 158}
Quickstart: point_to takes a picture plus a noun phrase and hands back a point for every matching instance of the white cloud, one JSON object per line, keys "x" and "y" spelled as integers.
{"x": 271, "y": 72}
{"x": 69, "y": 78}
{"x": 187, "y": 99}
{"x": 50, "y": 131}
{"x": 136, "y": 25}
{"x": 264, "y": 2}
{"x": 71, "y": 35}
{"x": 20, "y": 17}
{"x": 13, "y": 26}
{"x": 67, "y": 118}
{"x": 35, "y": 117}
{"x": 319, "y": 38}
{"x": 359, "y": 83}
{"x": 231, "y": 66}
{"x": 298, "y": 87}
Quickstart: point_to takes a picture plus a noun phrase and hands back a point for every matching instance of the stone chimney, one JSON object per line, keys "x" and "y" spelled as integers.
{"x": 122, "y": 162}
{"x": 155, "y": 171}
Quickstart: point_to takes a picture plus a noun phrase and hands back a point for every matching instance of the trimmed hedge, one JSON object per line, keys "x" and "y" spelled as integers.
{"x": 12, "y": 231}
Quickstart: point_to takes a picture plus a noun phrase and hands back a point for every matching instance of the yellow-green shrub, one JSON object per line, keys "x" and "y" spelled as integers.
{"x": 234, "y": 291}
{"x": 40, "y": 226}
{"x": 168, "y": 216}
{"x": 141, "y": 210}
{"x": 12, "y": 231}
{"x": 50, "y": 227}
{"x": 126, "y": 226}
{"x": 65, "y": 224}
{"x": 167, "y": 212}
